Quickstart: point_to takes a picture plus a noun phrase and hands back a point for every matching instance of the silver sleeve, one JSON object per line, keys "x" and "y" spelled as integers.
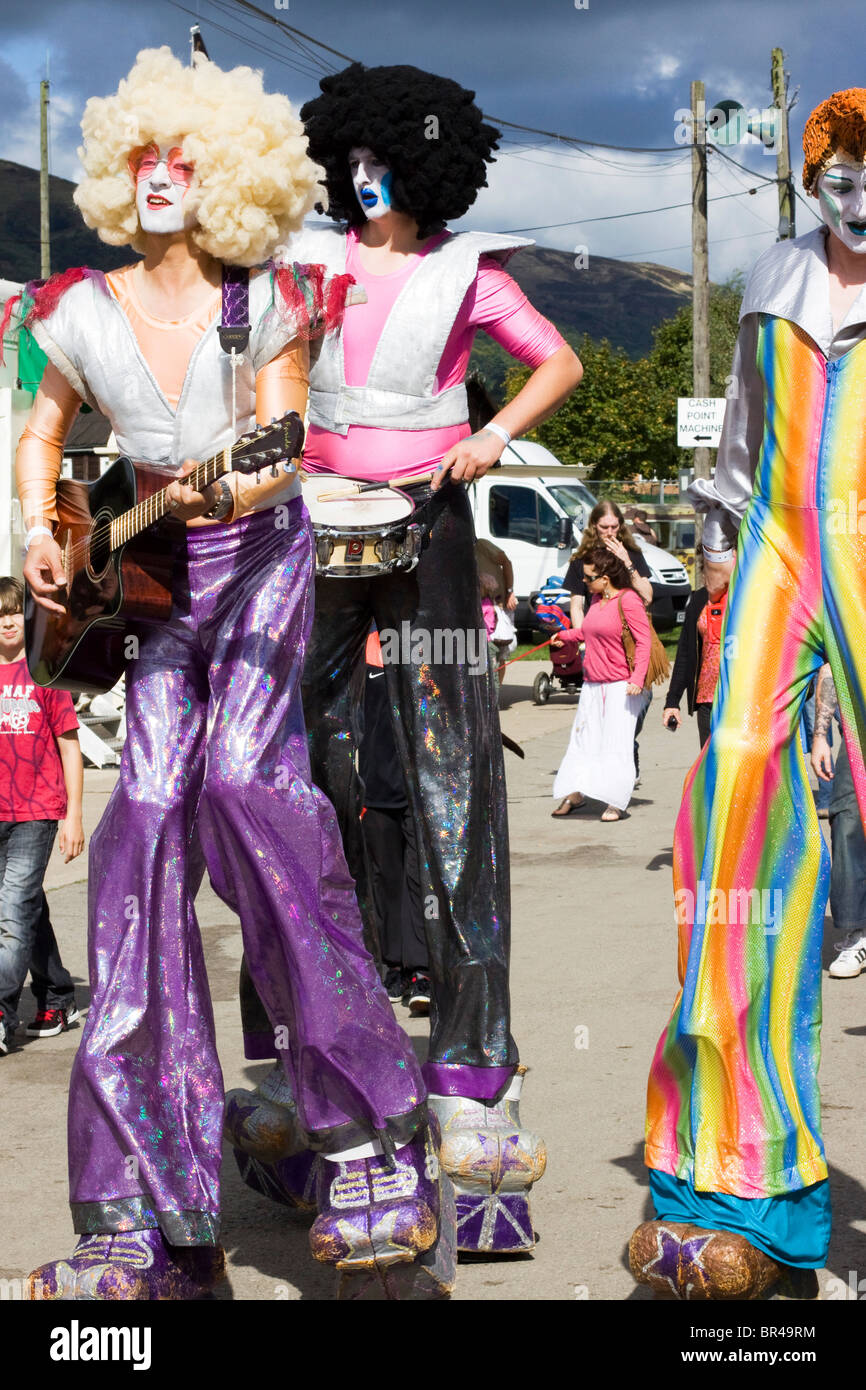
{"x": 723, "y": 500}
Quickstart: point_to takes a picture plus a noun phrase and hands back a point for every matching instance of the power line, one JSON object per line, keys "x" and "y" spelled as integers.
{"x": 268, "y": 52}
{"x": 616, "y": 216}
{"x": 687, "y": 246}
{"x": 798, "y": 194}
{"x": 281, "y": 24}
{"x": 322, "y": 65}
{"x": 633, "y": 170}
{"x": 767, "y": 178}
{"x": 576, "y": 140}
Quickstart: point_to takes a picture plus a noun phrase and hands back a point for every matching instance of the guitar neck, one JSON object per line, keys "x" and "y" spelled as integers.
{"x": 155, "y": 507}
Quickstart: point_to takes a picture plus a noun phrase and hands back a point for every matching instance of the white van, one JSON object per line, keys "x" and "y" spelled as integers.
{"x": 535, "y": 509}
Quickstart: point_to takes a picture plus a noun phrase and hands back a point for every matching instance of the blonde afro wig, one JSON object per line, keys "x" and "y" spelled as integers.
{"x": 253, "y": 180}
{"x": 837, "y": 126}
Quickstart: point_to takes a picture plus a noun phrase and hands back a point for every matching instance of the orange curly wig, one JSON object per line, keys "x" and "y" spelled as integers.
{"x": 839, "y": 123}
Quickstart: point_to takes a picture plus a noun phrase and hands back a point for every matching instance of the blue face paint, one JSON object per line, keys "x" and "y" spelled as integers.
{"x": 386, "y": 189}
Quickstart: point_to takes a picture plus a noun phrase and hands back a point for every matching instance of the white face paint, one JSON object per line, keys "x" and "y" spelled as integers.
{"x": 162, "y": 184}
{"x": 842, "y": 199}
{"x": 372, "y": 182}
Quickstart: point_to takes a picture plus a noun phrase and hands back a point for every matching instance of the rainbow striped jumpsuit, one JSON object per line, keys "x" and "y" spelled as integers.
{"x": 733, "y": 1123}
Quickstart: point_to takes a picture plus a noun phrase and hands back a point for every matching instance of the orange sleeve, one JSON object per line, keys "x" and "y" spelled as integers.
{"x": 281, "y": 385}
{"x": 40, "y": 448}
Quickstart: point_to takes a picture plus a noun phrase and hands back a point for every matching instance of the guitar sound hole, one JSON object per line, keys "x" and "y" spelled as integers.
{"x": 99, "y": 546}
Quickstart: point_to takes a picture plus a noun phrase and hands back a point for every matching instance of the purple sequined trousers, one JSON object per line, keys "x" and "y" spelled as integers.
{"x": 215, "y": 774}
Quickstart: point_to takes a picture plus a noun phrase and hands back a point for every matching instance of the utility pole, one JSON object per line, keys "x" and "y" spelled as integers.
{"x": 700, "y": 283}
{"x": 787, "y": 206}
{"x": 44, "y": 224}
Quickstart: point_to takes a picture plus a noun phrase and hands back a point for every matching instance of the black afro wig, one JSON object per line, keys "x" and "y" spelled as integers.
{"x": 427, "y": 129}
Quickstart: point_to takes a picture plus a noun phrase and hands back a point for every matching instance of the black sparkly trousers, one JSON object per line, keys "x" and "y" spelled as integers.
{"x": 446, "y": 729}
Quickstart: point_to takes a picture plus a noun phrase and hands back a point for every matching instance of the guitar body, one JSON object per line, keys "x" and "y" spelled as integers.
{"x": 84, "y": 648}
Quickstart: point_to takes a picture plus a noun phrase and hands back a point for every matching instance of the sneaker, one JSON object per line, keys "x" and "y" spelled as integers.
{"x": 851, "y": 958}
{"x": 4, "y": 1042}
{"x": 395, "y": 982}
{"x": 49, "y": 1022}
{"x": 416, "y": 996}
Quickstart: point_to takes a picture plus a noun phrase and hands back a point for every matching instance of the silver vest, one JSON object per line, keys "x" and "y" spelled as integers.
{"x": 91, "y": 342}
{"x": 399, "y": 393}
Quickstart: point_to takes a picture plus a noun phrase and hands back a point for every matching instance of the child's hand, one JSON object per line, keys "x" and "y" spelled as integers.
{"x": 71, "y": 838}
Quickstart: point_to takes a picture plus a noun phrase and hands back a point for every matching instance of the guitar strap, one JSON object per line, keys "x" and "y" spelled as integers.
{"x": 234, "y": 326}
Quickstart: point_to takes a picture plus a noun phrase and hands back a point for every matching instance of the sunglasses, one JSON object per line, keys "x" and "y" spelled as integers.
{"x": 144, "y": 160}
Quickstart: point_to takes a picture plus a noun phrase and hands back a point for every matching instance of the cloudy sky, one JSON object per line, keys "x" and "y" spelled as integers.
{"x": 613, "y": 72}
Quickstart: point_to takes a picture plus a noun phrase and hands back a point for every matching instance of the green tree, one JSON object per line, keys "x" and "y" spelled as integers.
{"x": 671, "y": 358}
{"x": 613, "y": 423}
{"x": 622, "y": 418}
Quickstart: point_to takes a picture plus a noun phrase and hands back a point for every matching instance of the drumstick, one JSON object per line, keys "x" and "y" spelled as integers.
{"x": 356, "y": 488}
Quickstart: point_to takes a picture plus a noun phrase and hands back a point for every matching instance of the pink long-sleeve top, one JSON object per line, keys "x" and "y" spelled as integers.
{"x": 493, "y": 302}
{"x": 601, "y": 630}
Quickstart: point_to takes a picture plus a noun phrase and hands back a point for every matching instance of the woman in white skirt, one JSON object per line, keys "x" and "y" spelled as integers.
{"x": 599, "y": 760}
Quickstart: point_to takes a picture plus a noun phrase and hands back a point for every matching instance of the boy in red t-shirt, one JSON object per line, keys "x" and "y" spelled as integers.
{"x": 41, "y": 782}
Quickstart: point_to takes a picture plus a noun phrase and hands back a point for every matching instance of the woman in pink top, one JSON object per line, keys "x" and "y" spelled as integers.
{"x": 599, "y": 759}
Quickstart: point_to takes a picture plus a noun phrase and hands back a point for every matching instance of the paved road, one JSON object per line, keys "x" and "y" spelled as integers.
{"x": 593, "y": 964}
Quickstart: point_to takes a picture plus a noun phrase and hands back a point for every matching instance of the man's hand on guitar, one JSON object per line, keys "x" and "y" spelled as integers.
{"x": 185, "y": 502}
{"x": 44, "y": 573}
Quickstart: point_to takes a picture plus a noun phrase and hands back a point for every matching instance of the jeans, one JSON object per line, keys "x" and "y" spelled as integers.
{"x": 825, "y": 789}
{"x": 647, "y": 701}
{"x": 848, "y": 870}
{"x": 27, "y": 939}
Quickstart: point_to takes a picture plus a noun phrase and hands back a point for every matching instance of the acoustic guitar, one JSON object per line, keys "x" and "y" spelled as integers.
{"x": 120, "y": 550}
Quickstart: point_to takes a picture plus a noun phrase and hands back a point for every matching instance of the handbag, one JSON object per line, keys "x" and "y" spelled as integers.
{"x": 659, "y": 667}
{"x": 504, "y": 630}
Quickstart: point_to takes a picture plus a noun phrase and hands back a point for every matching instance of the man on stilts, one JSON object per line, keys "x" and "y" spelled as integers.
{"x": 737, "y": 1168}
{"x": 404, "y": 152}
{"x": 205, "y": 174}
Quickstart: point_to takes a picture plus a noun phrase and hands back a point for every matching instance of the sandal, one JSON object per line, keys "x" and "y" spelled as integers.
{"x": 611, "y": 814}
{"x": 560, "y": 814}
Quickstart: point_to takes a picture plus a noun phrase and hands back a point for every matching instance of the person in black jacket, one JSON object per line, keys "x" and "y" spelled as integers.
{"x": 696, "y": 668}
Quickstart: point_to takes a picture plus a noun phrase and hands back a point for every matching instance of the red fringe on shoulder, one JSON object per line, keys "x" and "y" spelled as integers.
{"x": 40, "y": 298}
{"x": 317, "y": 305}
{"x": 47, "y": 296}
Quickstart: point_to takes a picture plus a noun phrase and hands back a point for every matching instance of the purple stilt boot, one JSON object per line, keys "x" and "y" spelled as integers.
{"x": 384, "y": 1224}
{"x": 267, "y": 1141}
{"x": 492, "y": 1162}
{"x": 129, "y": 1265}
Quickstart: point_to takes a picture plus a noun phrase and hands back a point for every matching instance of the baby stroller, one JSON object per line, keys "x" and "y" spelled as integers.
{"x": 550, "y": 606}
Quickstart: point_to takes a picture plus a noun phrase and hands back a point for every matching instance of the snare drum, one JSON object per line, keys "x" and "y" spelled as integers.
{"x": 363, "y": 536}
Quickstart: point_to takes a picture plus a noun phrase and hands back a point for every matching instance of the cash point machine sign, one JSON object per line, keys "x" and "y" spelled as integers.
{"x": 699, "y": 421}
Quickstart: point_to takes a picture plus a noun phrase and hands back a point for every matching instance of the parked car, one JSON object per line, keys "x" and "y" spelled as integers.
{"x": 535, "y": 509}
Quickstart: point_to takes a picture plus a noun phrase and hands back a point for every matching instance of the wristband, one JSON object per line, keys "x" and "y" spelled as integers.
{"x": 498, "y": 430}
{"x": 224, "y": 503}
{"x": 718, "y": 557}
{"x": 33, "y": 533}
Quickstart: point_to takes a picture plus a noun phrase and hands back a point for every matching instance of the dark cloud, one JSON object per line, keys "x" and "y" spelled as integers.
{"x": 614, "y": 72}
